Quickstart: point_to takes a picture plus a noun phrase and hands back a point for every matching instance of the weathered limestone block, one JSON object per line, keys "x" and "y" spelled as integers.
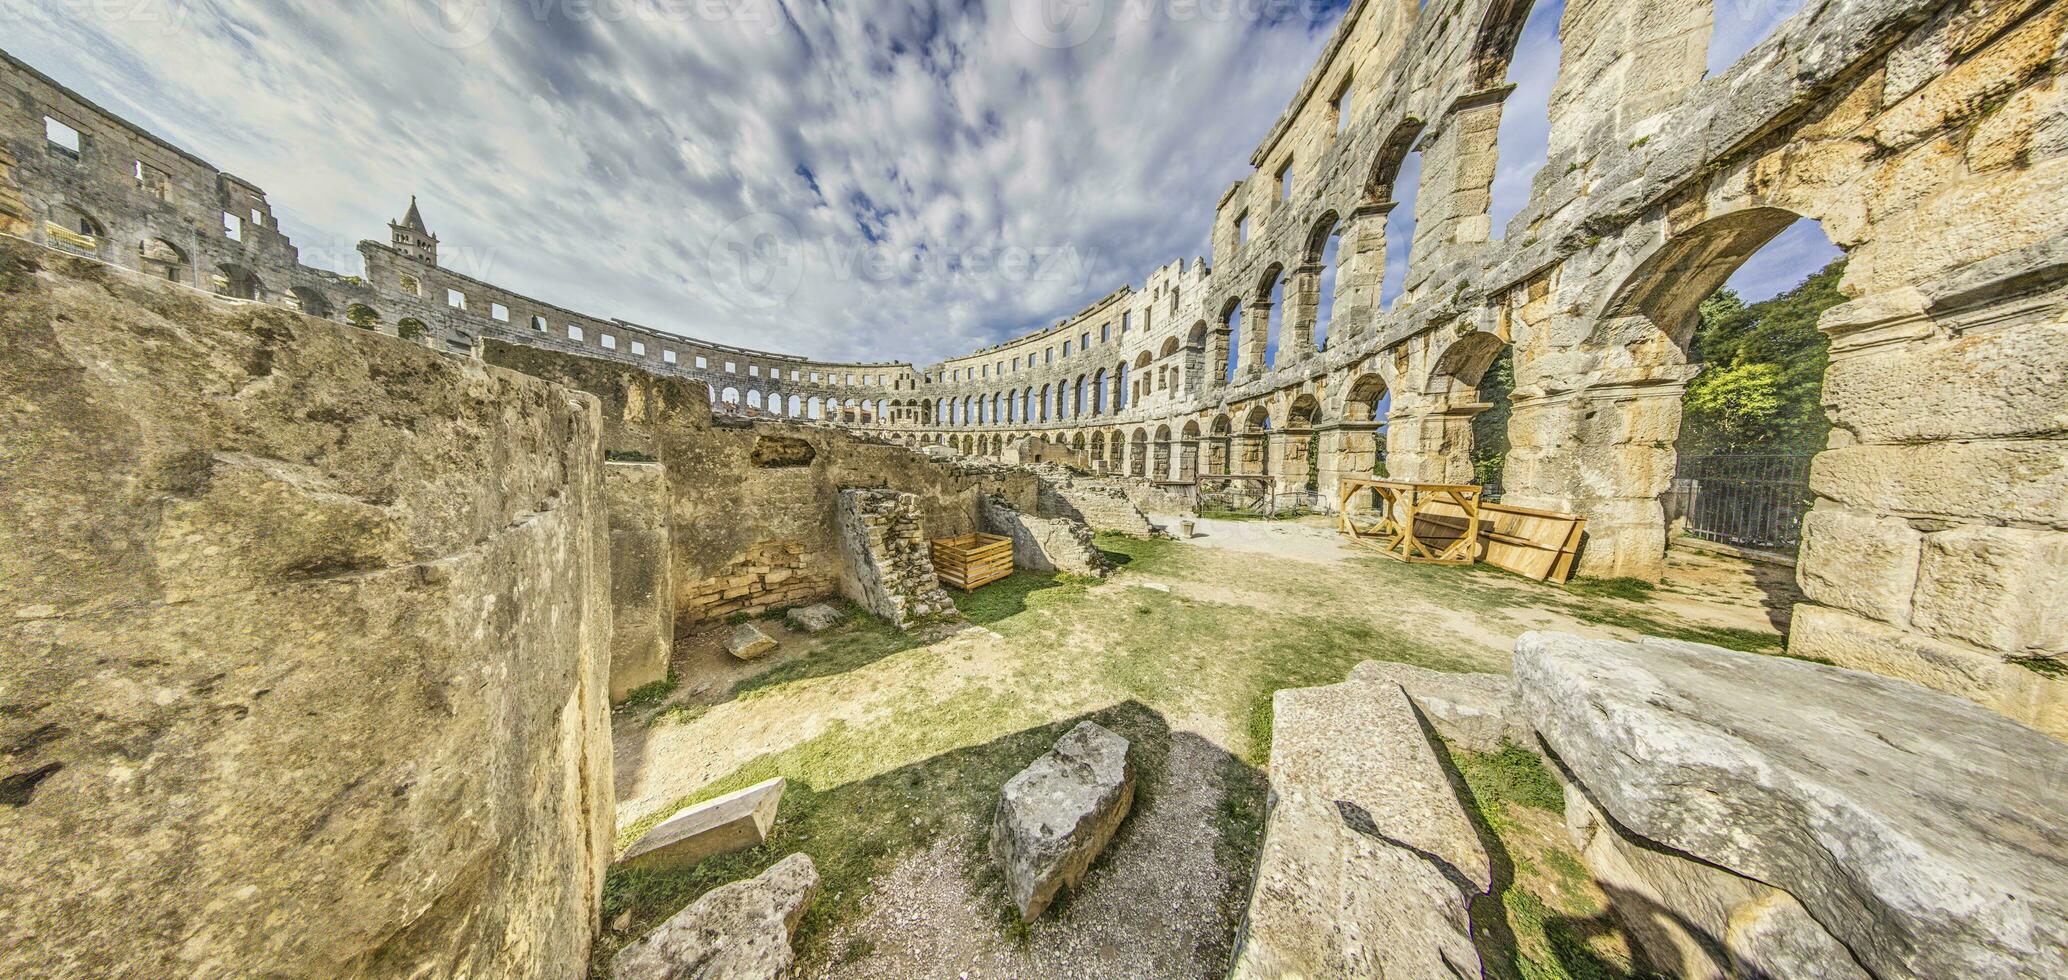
{"x": 1044, "y": 544}
{"x": 1369, "y": 863}
{"x": 739, "y": 931}
{"x": 1985, "y": 677}
{"x": 1477, "y": 712}
{"x": 2000, "y": 588}
{"x": 307, "y": 645}
{"x": 14, "y": 213}
{"x": 750, "y": 643}
{"x": 1859, "y": 562}
{"x": 733, "y": 822}
{"x": 816, "y": 618}
{"x": 1928, "y": 835}
{"x": 1694, "y": 920}
{"x": 1057, "y": 814}
{"x": 642, "y": 576}
{"x": 2005, "y": 383}
{"x": 2016, "y": 480}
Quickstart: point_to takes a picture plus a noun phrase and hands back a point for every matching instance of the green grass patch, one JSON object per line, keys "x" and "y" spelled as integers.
{"x": 860, "y": 641}
{"x": 860, "y": 801}
{"x": 646, "y": 695}
{"x": 1514, "y": 776}
{"x": 1015, "y": 594}
{"x": 1631, "y": 589}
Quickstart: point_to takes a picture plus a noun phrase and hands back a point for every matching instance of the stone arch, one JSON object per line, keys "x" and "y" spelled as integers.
{"x": 238, "y": 282}
{"x": 1494, "y": 45}
{"x": 1138, "y": 454}
{"x": 1385, "y": 168}
{"x": 1457, "y": 371}
{"x": 1315, "y": 284}
{"x": 309, "y": 301}
{"x": 1662, "y": 295}
{"x": 1219, "y": 445}
{"x": 1160, "y": 458}
{"x": 1227, "y": 336}
{"x": 72, "y": 229}
{"x": 1188, "y": 452}
{"x": 161, "y": 259}
{"x": 362, "y": 316}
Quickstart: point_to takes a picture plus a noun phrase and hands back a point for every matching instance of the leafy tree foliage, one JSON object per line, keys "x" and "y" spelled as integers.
{"x": 1763, "y": 377}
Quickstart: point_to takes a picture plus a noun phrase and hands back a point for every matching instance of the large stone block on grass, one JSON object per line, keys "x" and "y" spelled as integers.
{"x": 1369, "y": 865}
{"x": 733, "y": 822}
{"x": 1926, "y": 833}
{"x": 740, "y": 931}
{"x": 816, "y": 618}
{"x": 1477, "y": 712}
{"x": 1057, "y": 814}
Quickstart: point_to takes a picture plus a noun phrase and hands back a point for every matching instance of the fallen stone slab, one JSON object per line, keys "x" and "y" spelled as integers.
{"x": 1057, "y": 814}
{"x": 815, "y": 619}
{"x": 739, "y": 931}
{"x": 1477, "y": 712}
{"x": 733, "y": 822}
{"x": 750, "y": 643}
{"x": 1369, "y": 864}
{"x": 1926, "y": 833}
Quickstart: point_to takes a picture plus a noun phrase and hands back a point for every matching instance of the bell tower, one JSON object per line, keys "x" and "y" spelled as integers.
{"x": 411, "y": 238}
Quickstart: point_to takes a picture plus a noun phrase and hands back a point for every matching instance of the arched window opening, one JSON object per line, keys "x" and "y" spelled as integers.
{"x": 1400, "y": 230}
{"x": 1231, "y": 340}
{"x": 161, "y": 259}
{"x": 1527, "y": 60}
{"x": 309, "y": 301}
{"x": 1272, "y": 295}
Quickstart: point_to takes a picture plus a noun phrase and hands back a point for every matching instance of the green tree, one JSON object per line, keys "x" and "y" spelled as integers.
{"x": 1762, "y": 382}
{"x": 1490, "y": 428}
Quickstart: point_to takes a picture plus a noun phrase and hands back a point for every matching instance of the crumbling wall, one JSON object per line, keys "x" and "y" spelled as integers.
{"x": 14, "y": 212}
{"x": 889, "y": 567}
{"x": 642, "y": 576}
{"x": 306, "y": 644}
{"x": 1102, "y": 504}
{"x": 1045, "y": 544}
{"x": 754, "y": 505}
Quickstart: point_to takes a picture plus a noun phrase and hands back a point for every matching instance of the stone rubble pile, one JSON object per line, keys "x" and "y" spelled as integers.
{"x": 748, "y": 642}
{"x": 889, "y": 557}
{"x": 1044, "y": 544}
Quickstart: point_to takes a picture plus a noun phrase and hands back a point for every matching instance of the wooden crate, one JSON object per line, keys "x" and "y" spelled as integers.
{"x": 972, "y": 561}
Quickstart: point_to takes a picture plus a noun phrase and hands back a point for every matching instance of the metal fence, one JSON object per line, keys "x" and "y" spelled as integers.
{"x": 1752, "y": 501}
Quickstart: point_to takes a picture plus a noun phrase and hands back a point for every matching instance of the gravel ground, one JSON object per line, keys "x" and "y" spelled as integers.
{"x": 1157, "y": 905}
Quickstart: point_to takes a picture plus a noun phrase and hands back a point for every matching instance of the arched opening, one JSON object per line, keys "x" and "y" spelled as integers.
{"x": 309, "y": 301}
{"x": 1121, "y": 395}
{"x": 1228, "y": 340}
{"x": 1188, "y": 452}
{"x": 1400, "y": 230}
{"x": 1271, "y": 296}
{"x": 1138, "y": 454}
{"x": 796, "y": 406}
{"x": 1098, "y": 449}
{"x": 74, "y": 230}
{"x": 730, "y": 398}
{"x": 161, "y": 259}
{"x": 1098, "y": 392}
{"x": 1160, "y": 461}
{"x": 1299, "y": 457}
{"x": 1519, "y": 46}
{"x": 1317, "y": 283}
{"x": 238, "y": 282}
{"x": 817, "y": 409}
{"x": 362, "y": 316}
{"x": 411, "y": 328}
{"x": 1043, "y": 404}
{"x": 1253, "y": 455}
{"x": 1219, "y": 446}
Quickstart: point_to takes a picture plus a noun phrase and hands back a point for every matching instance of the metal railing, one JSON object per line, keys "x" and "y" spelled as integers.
{"x": 1751, "y": 501}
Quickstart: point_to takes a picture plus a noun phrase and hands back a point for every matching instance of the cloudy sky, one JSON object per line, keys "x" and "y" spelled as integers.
{"x": 843, "y": 180}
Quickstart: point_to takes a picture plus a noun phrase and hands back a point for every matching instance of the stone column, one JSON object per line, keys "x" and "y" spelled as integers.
{"x": 1349, "y": 449}
{"x": 1188, "y": 460}
{"x": 1605, "y": 451}
{"x": 1429, "y": 440}
{"x": 1458, "y": 176}
{"x": 1160, "y": 462}
{"x": 1362, "y": 277}
{"x": 1289, "y": 457}
{"x": 1256, "y": 337}
{"x": 1302, "y": 307}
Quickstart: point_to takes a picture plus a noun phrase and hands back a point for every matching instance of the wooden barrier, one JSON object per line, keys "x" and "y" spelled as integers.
{"x": 1407, "y": 529}
{"x": 972, "y": 561}
{"x": 1538, "y": 544}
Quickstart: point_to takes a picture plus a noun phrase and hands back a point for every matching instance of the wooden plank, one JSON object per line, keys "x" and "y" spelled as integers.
{"x": 972, "y": 561}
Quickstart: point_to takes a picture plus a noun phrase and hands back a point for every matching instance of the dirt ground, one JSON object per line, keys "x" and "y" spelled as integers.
{"x": 895, "y": 746}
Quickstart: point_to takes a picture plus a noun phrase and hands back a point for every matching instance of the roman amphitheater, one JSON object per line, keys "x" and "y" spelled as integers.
{"x": 390, "y": 622}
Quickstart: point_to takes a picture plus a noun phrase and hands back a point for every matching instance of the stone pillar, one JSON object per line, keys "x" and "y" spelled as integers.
{"x": 1362, "y": 278}
{"x": 1188, "y": 460}
{"x": 1938, "y": 547}
{"x": 1289, "y": 457}
{"x": 1430, "y": 441}
{"x": 1458, "y": 176}
{"x": 1302, "y": 307}
{"x": 642, "y": 575}
{"x": 14, "y": 212}
{"x": 1350, "y": 449}
{"x": 1607, "y": 452}
{"x": 1160, "y": 466}
{"x": 1256, "y": 338}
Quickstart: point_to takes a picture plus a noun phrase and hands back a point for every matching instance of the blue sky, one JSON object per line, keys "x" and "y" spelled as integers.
{"x": 840, "y": 180}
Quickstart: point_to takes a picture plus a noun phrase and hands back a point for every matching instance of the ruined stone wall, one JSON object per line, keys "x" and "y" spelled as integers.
{"x": 306, "y": 639}
{"x": 888, "y": 567}
{"x": 754, "y": 506}
{"x": 642, "y": 580}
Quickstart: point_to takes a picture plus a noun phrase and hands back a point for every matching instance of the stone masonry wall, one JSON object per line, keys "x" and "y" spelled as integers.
{"x": 890, "y": 568}
{"x": 642, "y": 576}
{"x": 1045, "y": 544}
{"x": 306, "y": 635}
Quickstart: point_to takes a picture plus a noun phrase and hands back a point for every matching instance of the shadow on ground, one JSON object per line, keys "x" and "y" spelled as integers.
{"x": 857, "y": 831}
